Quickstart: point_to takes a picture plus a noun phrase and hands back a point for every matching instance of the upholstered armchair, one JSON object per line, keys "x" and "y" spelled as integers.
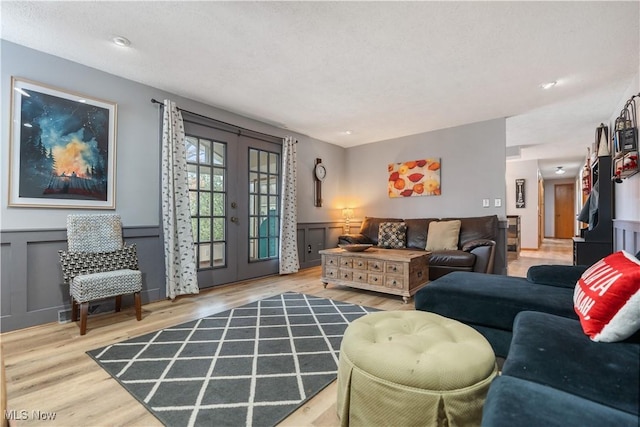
{"x": 97, "y": 264}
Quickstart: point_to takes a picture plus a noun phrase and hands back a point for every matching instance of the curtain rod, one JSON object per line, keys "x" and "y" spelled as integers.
{"x": 155, "y": 101}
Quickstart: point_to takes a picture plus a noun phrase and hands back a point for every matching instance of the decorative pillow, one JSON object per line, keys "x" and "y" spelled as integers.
{"x": 392, "y": 234}
{"x": 371, "y": 227}
{"x": 443, "y": 235}
{"x": 607, "y": 298}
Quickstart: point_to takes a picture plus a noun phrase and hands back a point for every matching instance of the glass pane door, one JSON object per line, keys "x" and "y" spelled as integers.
{"x": 207, "y": 171}
{"x": 234, "y": 185}
{"x": 259, "y": 197}
{"x": 264, "y": 208}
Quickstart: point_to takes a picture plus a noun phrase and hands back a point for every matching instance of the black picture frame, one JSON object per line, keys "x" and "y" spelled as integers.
{"x": 520, "y": 193}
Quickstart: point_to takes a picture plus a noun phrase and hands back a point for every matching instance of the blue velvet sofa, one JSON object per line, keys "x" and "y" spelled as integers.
{"x": 553, "y": 375}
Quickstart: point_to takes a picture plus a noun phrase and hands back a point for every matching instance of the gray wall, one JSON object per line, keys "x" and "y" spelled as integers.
{"x": 137, "y": 163}
{"x": 138, "y": 143}
{"x": 473, "y": 168}
{"x": 527, "y": 169}
{"x": 31, "y": 290}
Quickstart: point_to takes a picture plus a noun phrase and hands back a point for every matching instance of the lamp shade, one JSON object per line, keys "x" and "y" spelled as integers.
{"x": 603, "y": 144}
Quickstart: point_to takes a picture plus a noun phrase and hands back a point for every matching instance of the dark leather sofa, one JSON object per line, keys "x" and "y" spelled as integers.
{"x": 553, "y": 375}
{"x": 476, "y": 243}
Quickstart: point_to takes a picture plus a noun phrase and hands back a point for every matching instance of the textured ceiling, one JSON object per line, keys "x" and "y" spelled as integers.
{"x": 379, "y": 69}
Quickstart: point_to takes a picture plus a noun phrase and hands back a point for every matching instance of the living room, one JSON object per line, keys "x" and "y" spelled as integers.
{"x": 474, "y": 168}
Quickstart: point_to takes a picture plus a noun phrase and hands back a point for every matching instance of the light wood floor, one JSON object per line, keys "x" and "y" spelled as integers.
{"x": 552, "y": 251}
{"x": 47, "y": 368}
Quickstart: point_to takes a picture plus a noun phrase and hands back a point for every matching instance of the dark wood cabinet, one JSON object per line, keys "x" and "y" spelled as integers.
{"x": 596, "y": 241}
{"x": 588, "y": 253}
{"x": 513, "y": 237}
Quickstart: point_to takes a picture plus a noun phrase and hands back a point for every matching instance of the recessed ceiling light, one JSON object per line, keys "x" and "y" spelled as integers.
{"x": 548, "y": 85}
{"x": 348, "y": 132}
{"x": 121, "y": 41}
{"x": 560, "y": 171}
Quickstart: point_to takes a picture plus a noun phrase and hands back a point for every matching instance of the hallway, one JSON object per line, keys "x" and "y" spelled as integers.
{"x": 552, "y": 251}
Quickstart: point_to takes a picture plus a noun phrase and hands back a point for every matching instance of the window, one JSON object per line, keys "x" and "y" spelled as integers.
{"x": 264, "y": 207}
{"x": 207, "y": 176}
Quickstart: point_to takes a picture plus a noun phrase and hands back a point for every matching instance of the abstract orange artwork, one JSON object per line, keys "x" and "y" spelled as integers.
{"x": 414, "y": 178}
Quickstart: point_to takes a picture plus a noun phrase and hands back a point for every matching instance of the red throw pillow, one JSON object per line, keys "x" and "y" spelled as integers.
{"x": 607, "y": 298}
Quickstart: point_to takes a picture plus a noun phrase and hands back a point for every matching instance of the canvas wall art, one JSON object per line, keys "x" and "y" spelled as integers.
{"x": 520, "y": 196}
{"x": 414, "y": 178}
{"x": 63, "y": 148}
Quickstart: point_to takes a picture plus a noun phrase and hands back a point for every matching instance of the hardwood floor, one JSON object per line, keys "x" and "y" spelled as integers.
{"x": 552, "y": 251}
{"x": 48, "y": 371}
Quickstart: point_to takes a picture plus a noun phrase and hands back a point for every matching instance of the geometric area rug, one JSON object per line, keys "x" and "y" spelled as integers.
{"x": 252, "y": 365}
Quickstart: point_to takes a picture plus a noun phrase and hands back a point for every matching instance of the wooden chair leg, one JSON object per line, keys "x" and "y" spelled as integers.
{"x": 74, "y": 310}
{"x": 138, "y": 303}
{"x": 118, "y": 303}
{"x": 84, "y": 311}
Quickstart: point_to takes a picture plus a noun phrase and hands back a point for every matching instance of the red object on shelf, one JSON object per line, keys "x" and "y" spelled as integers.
{"x": 586, "y": 180}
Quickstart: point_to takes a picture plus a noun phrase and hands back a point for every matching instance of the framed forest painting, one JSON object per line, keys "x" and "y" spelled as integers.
{"x": 62, "y": 148}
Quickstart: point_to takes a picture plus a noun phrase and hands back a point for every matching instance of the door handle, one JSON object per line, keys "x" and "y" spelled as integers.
{"x": 234, "y": 219}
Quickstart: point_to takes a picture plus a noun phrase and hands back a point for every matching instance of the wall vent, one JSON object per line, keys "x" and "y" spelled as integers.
{"x": 64, "y": 316}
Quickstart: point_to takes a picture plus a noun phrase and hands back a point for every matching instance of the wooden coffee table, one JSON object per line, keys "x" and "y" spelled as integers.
{"x": 392, "y": 271}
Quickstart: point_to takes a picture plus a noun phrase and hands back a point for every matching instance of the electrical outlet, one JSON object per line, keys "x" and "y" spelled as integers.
{"x": 485, "y": 203}
{"x": 497, "y": 203}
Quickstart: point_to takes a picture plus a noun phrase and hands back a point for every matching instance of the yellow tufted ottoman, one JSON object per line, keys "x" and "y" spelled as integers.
{"x": 413, "y": 368}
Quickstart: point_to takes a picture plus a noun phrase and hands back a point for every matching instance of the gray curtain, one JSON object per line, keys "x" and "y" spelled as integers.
{"x": 179, "y": 255}
{"x": 289, "y": 262}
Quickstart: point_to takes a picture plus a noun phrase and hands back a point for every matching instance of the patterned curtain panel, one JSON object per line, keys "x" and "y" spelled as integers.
{"x": 179, "y": 255}
{"x": 289, "y": 262}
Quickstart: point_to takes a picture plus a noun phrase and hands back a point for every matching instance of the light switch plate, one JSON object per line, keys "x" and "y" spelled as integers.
{"x": 497, "y": 203}
{"x": 485, "y": 203}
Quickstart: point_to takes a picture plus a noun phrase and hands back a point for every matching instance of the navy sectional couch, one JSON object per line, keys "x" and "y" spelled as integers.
{"x": 490, "y": 303}
{"x": 553, "y": 375}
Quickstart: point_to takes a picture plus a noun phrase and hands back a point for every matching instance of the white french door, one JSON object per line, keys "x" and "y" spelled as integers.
{"x": 234, "y": 192}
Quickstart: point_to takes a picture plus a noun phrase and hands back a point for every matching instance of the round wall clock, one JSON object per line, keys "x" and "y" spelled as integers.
{"x": 320, "y": 171}
{"x": 319, "y": 174}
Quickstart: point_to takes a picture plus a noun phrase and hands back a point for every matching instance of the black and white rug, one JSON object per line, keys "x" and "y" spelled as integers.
{"x": 252, "y": 365}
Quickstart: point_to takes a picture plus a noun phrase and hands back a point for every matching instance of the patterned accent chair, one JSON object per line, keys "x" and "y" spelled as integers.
{"x": 98, "y": 264}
